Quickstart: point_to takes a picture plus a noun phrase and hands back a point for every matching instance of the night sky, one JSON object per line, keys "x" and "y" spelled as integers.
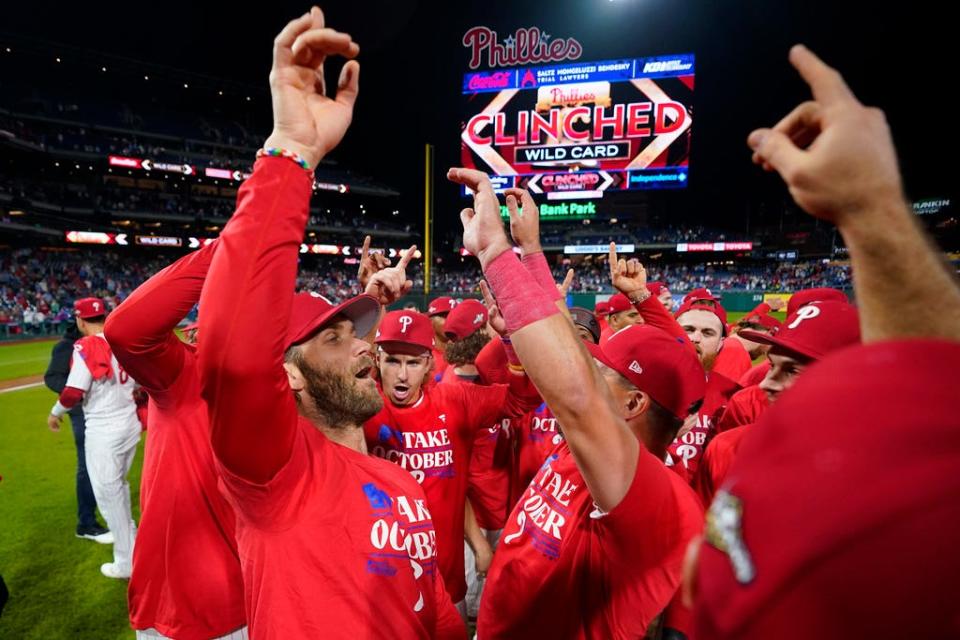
{"x": 412, "y": 63}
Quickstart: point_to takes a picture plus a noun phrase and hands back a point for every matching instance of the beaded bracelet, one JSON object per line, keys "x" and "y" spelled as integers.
{"x": 276, "y": 152}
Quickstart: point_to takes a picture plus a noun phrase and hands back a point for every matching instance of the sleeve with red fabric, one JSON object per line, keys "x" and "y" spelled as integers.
{"x": 140, "y": 331}
{"x": 653, "y": 314}
{"x": 492, "y": 363}
{"x": 68, "y": 399}
{"x": 520, "y": 298}
{"x": 253, "y": 416}
{"x": 536, "y": 265}
{"x": 488, "y": 404}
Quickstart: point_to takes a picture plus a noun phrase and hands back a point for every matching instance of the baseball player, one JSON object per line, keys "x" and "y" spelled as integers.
{"x": 186, "y": 580}
{"x": 807, "y": 536}
{"x": 104, "y": 389}
{"x": 605, "y": 523}
{"x": 332, "y": 541}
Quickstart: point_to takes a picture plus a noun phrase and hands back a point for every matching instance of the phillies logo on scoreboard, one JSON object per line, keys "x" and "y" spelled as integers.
{"x": 524, "y": 46}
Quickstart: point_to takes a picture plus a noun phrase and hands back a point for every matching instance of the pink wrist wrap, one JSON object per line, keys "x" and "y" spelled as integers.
{"x": 521, "y": 300}
{"x": 536, "y": 265}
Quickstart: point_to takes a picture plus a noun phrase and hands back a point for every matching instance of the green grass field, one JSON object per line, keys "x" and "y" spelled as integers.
{"x": 21, "y": 359}
{"x": 56, "y": 590}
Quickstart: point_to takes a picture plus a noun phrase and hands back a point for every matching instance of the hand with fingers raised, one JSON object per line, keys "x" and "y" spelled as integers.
{"x": 390, "y": 284}
{"x": 835, "y": 154}
{"x": 524, "y": 221}
{"x": 371, "y": 262}
{"x": 305, "y": 120}
{"x": 483, "y": 233}
{"x": 627, "y": 276}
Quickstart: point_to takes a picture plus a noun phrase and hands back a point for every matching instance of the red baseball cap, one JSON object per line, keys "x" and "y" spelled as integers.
{"x": 617, "y": 303}
{"x": 700, "y": 294}
{"x": 89, "y": 308}
{"x": 764, "y": 320}
{"x": 657, "y": 364}
{"x": 839, "y": 517}
{"x": 600, "y": 308}
{"x": 466, "y": 318}
{"x": 656, "y": 288}
{"x": 311, "y": 311}
{"x": 806, "y": 296}
{"x": 814, "y": 330}
{"x": 699, "y": 305}
{"x": 443, "y": 304}
{"x": 406, "y": 327}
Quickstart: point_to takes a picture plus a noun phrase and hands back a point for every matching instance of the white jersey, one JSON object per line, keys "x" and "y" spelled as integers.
{"x": 108, "y": 403}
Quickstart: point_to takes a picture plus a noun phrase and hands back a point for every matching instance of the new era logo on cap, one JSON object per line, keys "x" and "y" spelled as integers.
{"x": 636, "y": 368}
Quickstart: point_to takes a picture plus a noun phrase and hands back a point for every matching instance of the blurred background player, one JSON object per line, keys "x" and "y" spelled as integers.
{"x": 56, "y": 379}
{"x": 99, "y": 384}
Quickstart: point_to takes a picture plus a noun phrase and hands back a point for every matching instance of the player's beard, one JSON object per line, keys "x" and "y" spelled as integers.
{"x": 341, "y": 399}
{"x": 708, "y": 361}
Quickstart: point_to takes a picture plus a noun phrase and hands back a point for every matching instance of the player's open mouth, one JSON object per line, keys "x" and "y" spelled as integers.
{"x": 401, "y": 392}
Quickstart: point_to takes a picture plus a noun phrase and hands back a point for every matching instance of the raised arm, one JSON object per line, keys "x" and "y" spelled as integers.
{"x": 140, "y": 331}
{"x": 630, "y": 278}
{"x": 247, "y": 298}
{"x": 605, "y": 450}
{"x": 838, "y": 161}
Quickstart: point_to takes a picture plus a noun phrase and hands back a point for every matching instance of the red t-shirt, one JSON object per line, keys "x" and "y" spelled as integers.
{"x": 337, "y": 542}
{"x": 733, "y": 360}
{"x": 744, "y": 407}
{"x": 717, "y": 460}
{"x": 186, "y": 581}
{"x": 755, "y": 375}
{"x": 688, "y": 449}
{"x": 488, "y": 474}
{"x": 563, "y": 569}
{"x": 332, "y": 542}
{"x": 432, "y": 440}
{"x": 537, "y": 437}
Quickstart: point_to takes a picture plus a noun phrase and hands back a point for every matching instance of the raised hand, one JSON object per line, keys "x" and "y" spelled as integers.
{"x": 836, "y": 155}
{"x": 305, "y": 119}
{"x": 483, "y": 234}
{"x": 525, "y": 222}
{"x": 370, "y": 263}
{"x": 390, "y": 284}
{"x": 626, "y": 276}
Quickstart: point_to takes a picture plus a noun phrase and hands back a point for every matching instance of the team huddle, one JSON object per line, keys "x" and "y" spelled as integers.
{"x": 318, "y": 470}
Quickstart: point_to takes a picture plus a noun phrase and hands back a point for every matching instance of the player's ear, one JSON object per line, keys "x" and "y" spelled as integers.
{"x": 294, "y": 377}
{"x": 637, "y": 403}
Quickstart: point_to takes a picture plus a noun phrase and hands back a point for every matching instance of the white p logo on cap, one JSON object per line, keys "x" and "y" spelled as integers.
{"x": 478, "y": 319}
{"x": 405, "y": 321}
{"x": 804, "y": 313}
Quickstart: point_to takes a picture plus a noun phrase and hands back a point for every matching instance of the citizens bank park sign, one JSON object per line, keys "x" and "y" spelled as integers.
{"x": 572, "y": 130}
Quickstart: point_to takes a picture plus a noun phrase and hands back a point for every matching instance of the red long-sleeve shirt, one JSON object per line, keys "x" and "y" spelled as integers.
{"x": 333, "y": 543}
{"x": 186, "y": 521}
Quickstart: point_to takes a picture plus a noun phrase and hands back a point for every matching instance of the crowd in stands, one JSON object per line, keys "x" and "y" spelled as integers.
{"x": 38, "y": 287}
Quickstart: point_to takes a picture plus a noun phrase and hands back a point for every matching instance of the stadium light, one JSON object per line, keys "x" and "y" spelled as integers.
{"x": 186, "y": 86}
{"x": 103, "y": 68}
{"x": 146, "y": 77}
{"x": 219, "y": 93}
{"x": 58, "y": 58}
{"x": 9, "y": 50}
